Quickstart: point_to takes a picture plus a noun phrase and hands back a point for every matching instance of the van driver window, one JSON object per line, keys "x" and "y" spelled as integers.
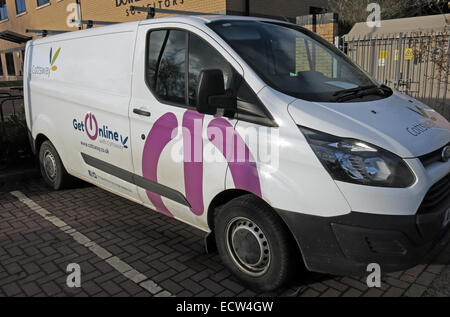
{"x": 203, "y": 56}
{"x": 166, "y": 67}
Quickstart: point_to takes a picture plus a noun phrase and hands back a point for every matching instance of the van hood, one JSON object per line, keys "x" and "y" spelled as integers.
{"x": 399, "y": 124}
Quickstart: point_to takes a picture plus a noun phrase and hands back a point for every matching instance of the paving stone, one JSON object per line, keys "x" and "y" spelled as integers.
{"x": 156, "y": 255}
{"x": 337, "y": 285}
{"x": 373, "y": 292}
{"x": 11, "y": 289}
{"x": 426, "y": 278}
{"x": 31, "y": 289}
{"x": 415, "y": 290}
{"x": 310, "y": 293}
{"x": 192, "y": 286}
{"x": 354, "y": 283}
{"x": 397, "y": 283}
{"x": 352, "y": 292}
{"x": 212, "y": 286}
{"x": 394, "y": 292}
{"x": 331, "y": 292}
{"x": 51, "y": 288}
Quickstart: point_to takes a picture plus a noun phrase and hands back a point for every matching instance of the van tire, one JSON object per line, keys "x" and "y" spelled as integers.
{"x": 52, "y": 169}
{"x": 247, "y": 224}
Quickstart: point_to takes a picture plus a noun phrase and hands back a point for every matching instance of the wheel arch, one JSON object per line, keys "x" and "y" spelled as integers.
{"x": 228, "y": 195}
{"x": 40, "y": 138}
{"x": 221, "y": 199}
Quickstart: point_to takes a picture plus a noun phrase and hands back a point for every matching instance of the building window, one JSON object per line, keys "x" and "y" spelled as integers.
{"x": 42, "y": 2}
{"x": 10, "y": 64}
{"x": 20, "y": 6}
{"x": 3, "y": 10}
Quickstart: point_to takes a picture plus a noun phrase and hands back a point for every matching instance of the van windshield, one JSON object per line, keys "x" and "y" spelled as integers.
{"x": 297, "y": 62}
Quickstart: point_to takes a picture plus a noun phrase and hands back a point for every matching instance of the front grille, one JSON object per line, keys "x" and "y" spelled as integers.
{"x": 432, "y": 157}
{"x": 436, "y": 197}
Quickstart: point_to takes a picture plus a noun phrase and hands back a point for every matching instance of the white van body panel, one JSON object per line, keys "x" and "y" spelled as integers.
{"x": 92, "y": 75}
{"x": 295, "y": 180}
{"x": 391, "y": 123}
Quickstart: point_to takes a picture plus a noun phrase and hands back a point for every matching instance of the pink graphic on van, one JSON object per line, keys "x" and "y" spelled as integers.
{"x": 90, "y": 126}
{"x": 243, "y": 169}
{"x": 223, "y": 136}
{"x": 193, "y": 159}
{"x": 158, "y": 138}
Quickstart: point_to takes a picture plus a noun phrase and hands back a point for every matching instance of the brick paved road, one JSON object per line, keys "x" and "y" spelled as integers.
{"x": 34, "y": 253}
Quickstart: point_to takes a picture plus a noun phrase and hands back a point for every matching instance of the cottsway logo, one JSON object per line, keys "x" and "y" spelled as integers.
{"x": 53, "y": 58}
{"x": 40, "y": 70}
{"x": 103, "y": 133}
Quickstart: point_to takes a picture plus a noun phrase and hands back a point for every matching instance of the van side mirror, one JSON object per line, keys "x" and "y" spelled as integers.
{"x": 211, "y": 95}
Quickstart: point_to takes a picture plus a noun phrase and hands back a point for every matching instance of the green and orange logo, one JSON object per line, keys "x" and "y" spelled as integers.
{"x": 53, "y": 58}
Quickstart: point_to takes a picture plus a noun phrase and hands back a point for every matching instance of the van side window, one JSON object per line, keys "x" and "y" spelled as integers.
{"x": 203, "y": 56}
{"x": 166, "y": 67}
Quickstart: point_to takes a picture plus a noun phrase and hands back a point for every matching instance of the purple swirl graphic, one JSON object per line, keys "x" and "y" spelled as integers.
{"x": 243, "y": 170}
{"x": 193, "y": 159}
{"x": 158, "y": 138}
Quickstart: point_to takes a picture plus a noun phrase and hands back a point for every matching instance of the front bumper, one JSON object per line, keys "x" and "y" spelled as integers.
{"x": 345, "y": 245}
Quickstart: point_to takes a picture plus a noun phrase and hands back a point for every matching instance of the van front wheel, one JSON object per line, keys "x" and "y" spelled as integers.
{"x": 52, "y": 169}
{"x": 254, "y": 243}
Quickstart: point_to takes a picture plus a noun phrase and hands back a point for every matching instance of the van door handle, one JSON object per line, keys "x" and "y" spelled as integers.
{"x": 142, "y": 112}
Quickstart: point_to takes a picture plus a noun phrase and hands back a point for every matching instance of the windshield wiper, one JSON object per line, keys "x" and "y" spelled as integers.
{"x": 358, "y": 92}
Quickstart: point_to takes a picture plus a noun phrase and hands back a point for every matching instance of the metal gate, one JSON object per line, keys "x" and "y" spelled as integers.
{"x": 14, "y": 143}
{"x": 417, "y": 65}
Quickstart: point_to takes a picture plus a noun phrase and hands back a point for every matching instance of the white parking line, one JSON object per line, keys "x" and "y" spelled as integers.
{"x": 120, "y": 266}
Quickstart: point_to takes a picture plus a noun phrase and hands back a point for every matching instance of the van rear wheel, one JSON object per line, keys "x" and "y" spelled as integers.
{"x": 254, "y": 243}
{"x": 52, "y": 169}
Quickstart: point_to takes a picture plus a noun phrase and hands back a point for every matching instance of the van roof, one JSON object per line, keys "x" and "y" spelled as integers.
{"x": 198, "y": 21}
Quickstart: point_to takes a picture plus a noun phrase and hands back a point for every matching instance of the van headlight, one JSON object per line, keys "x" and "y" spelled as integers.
{"x": 354, "y": 161}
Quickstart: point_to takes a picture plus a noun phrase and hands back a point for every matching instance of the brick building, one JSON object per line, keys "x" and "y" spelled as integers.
{"x": 16, "y": 16}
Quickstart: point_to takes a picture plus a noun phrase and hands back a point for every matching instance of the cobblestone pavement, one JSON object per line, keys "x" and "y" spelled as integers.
{"x": 125, "y": 249}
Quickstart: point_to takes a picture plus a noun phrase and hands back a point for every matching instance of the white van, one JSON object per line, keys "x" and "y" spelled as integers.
{"x": 256, "y": 131}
